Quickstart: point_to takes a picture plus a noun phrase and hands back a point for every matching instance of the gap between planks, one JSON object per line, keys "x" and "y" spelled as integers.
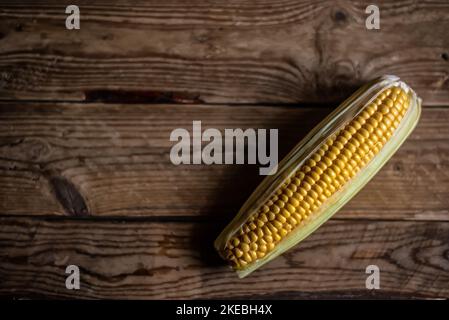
{"x": 192, "y": 219}
{"x": 286, "y": 105}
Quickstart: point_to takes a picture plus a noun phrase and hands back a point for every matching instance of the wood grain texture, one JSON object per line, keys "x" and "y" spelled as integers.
{"x": 176, "y": 260}
{"x": 91, "y": 184}
{"x": 237, "y": 51}
{"x": 112, "y": 160}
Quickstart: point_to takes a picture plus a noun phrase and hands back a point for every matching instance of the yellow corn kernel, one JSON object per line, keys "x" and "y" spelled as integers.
{"x": 323, "y": 174}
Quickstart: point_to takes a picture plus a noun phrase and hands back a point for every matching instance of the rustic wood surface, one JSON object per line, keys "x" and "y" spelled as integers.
{"x": 156, "y": 260}
{"x": 85, "y": 119}
{"x": 113, "y": 160}
{"x": 238, "y": 51}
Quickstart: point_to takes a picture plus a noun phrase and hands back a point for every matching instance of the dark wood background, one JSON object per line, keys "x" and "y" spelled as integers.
{"x": 85, "y": 119}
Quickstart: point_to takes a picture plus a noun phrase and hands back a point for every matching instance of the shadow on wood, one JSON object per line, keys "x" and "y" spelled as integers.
{"x": 203, "y": 235}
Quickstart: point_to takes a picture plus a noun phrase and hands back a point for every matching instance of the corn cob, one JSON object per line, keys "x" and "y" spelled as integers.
{"x": 321, "y": 176}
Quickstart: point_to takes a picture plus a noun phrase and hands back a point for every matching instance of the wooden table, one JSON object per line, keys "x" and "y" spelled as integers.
{"x": 86, "y": 115}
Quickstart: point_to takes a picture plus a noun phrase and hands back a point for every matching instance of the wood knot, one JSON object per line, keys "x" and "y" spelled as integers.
{"x": 69, "y": 197}
{"x": 339, "y": 16}
{"x": 398, "y": 167}
{"x": 107, "y": 37}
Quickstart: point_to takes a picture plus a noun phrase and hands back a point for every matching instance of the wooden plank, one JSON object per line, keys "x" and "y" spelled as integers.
{"x": 176, "y": 260}
{"x": 108, "y": 160}
{"x": 240, "y": 51}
